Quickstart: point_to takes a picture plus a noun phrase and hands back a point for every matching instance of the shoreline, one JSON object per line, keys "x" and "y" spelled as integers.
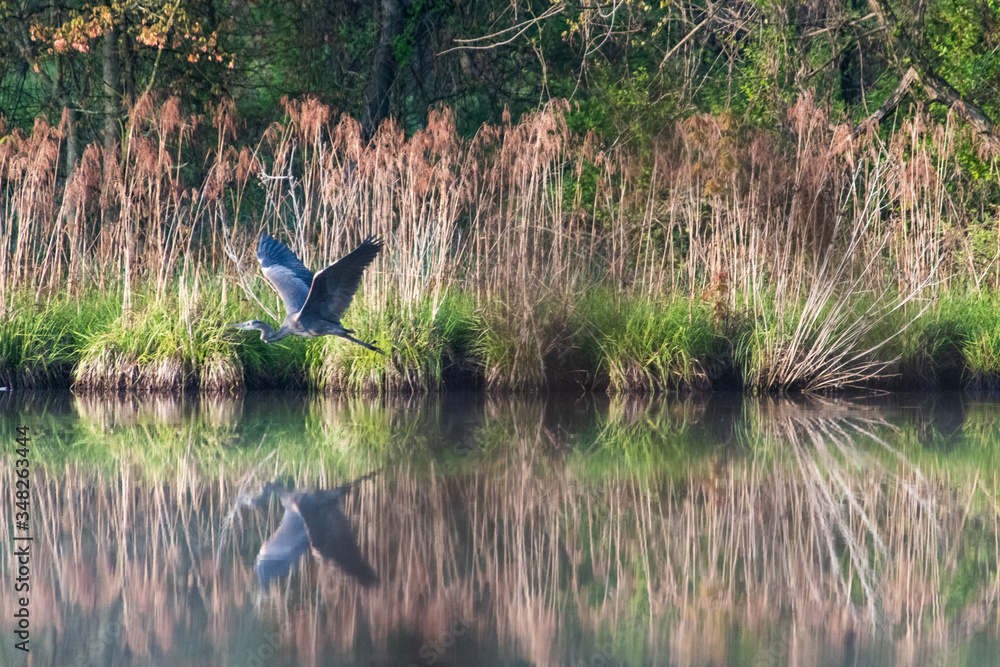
{"x": 607, "y": 342}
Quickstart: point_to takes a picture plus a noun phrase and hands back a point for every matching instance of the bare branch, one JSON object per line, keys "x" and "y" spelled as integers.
{"x": 521, "y": 28}
{"x": 836, "y": 54}
{"x": 891, "y": 102}
{"x": 840, "y": 24}
{"x": 711, "y": 14}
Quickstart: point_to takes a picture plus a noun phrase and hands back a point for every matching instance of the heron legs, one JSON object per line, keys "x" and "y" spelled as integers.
{"x": 371, "y": 346}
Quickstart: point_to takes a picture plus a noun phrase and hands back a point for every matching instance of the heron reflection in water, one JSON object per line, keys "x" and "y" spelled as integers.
{"x": 311, "y": 520}
{"x": 313, "y": 304}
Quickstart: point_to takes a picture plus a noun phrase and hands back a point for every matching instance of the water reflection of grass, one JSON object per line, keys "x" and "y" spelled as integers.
{"x": 641, "y": 438}
{"x": 646, "y": 439}
{"x": 655, "y": 531}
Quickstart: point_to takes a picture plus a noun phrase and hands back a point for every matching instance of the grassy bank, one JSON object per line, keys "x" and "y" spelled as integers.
{"x": 524, "y": 257}
{"x": 602, "y": 341}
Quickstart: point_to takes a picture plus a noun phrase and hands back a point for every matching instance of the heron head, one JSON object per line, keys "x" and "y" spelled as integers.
{"x": 267, "y": 334}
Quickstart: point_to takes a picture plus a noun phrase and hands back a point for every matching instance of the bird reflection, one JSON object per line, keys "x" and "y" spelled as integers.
{"x": 312, "y": 519}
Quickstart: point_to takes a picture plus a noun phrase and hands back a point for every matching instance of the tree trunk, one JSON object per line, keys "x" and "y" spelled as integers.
{"x": 72, "y": 140}
{"x": 68, "y": 119}
{"x": 111, "y": 95}
{"x": 384, "y": 68}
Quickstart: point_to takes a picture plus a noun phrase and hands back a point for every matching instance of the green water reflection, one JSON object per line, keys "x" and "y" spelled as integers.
{"x": 556, "y": 530}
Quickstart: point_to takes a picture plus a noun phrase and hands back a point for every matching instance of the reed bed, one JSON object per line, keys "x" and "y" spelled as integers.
{"x": 799, "y": 253}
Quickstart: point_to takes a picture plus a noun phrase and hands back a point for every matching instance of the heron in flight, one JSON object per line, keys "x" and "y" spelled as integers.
{"x": 311, "y": 520}
{"x": 313, "y": 304}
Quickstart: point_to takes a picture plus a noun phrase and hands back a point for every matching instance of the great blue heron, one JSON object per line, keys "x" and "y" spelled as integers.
{"x": 312, "y": 519}
{"x": 313, "y": 304}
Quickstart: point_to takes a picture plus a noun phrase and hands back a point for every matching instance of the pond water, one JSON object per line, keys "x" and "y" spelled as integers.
{"x": 558, "y": 530}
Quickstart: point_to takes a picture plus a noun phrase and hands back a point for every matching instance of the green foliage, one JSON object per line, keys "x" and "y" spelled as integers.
{"x": 762, "y": 95}
{"x": 958, "y": 32}
{"x": 628, "y": 107}
{"x": 294, "y": 49}
{"x": 640, "y": 345}
{"x": 41, "y": 343}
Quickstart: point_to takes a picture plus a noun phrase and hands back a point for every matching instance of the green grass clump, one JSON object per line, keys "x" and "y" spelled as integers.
{"x": 280, "y": 365}
{"x": 640, "y": 345}
{"x": 976, "y": 345}
{"x": 177, "y": 342}
{"x": 954, "y": 344}
{"x": 422, "y": 347}
{"x": 525, "y": 346}
{"x": 153, "y": 348}
{"x": 930, "y": 350}
{"x": 40, "y": 343}
{"x": 454, "y": 327}
{"x": 336, "y": 364}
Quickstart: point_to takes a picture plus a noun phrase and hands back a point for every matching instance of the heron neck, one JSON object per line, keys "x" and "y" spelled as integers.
{"x": 269, "y": 335}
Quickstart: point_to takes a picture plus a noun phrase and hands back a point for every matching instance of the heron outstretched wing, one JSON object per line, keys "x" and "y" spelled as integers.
{"x": 332, "y": 537}
{"x": 290, "y": 278}
{"x": 284, "y": 548}
{"x": 334, "y": 287}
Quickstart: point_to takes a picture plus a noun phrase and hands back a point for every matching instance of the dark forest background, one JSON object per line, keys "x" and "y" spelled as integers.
{"x": 629, "y": 68}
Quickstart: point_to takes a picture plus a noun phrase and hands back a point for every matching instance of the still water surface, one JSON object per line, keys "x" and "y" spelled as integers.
{"x": 514, "y": 531}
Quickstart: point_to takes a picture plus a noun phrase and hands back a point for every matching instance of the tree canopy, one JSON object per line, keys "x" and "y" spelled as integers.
{"x": 628, "y": 68}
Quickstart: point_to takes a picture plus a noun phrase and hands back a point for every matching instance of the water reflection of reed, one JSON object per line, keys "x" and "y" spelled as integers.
{"x": 113, "y": 410}
{"x": 822, "y": 542}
